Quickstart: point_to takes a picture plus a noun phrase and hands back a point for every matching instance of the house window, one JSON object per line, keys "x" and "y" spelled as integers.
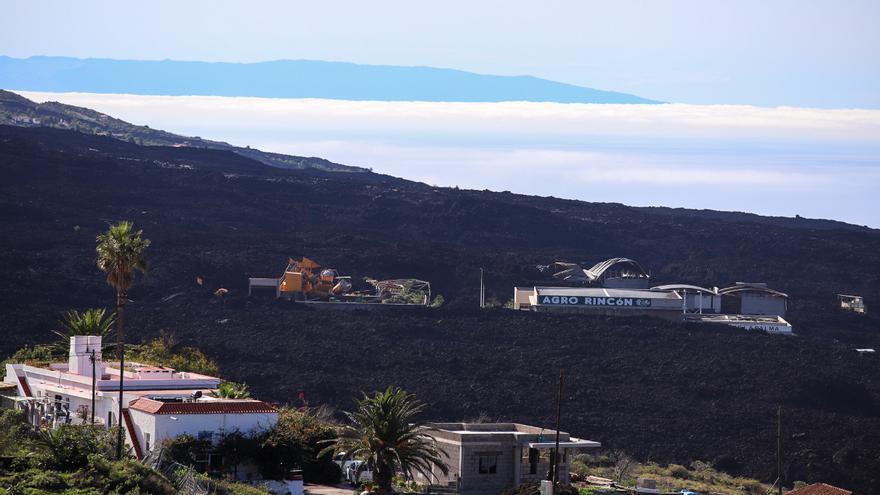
{"x": 488, "y": 463}
{"x": 147, "y": 441}
{"x": 109, "y": 419}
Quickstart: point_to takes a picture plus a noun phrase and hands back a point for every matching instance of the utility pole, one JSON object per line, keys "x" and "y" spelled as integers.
{"x": 94, "y": 378}
{"x": 779, "y": 448}
{"x": 482, "y": 291}
{"x": 558, "y": 415}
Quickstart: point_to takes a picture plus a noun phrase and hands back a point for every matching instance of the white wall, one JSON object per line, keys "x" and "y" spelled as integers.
{"x": 164, "y": 426}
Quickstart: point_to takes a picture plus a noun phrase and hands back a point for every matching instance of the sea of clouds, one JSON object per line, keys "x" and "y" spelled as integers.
{"x": 776, "y": 161}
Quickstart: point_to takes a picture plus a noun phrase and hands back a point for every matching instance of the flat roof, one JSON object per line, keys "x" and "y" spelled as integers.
{"x": 606, "y": 292}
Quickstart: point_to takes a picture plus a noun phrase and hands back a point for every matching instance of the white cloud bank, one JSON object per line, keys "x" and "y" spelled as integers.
{"x": 780, "y": 161}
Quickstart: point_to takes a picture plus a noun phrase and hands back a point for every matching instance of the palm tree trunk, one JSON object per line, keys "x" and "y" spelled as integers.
{"x": 384, "y": 479}
{"x": 120, "y": 351}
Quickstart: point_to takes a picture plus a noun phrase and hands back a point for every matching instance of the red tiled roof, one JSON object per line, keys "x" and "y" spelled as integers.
{"x": 819, "y": 489}
{"x": 201, "y": 407}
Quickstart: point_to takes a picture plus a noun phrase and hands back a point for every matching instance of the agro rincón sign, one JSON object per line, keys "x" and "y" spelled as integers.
{"x": 611, "y": 302}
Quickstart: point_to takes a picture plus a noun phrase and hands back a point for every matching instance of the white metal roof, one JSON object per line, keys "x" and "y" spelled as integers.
{"x": 605, "y": 292}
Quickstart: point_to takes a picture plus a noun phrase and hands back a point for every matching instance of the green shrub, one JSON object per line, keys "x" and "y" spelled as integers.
{"x": 185, "y": 449}
{"x": 292, "y": 443}
{"x": 679, "y": 471}
{"x": 36, "y": 355}
{"x": 68, "y": 447}
{"x": 165, "y": 351}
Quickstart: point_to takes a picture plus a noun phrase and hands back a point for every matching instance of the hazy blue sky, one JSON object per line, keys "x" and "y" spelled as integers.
{"x": 781, "y": 52}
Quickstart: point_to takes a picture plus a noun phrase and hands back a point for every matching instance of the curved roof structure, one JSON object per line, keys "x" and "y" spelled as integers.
{"x": 628, "y": 267}
{"x": 695, "y": 288}
{"x": 572, "y": 272}
{"x": 740, "y": 287}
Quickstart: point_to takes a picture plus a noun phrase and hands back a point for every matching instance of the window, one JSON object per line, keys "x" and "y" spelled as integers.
{"x": 109, "y": 419}
{"x": 488, "y": 463}
{"x": 147, "y": 441}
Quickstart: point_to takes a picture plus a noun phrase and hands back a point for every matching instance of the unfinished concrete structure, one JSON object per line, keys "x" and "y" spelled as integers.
{"x": 855, "y": 304}
{"x": 485, "y": 458}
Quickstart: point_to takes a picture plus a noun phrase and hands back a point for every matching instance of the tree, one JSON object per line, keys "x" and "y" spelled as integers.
{"x": 383, "y": 434}
{"x": 121, "y": 256}
{"x": 294, "y": 442}
{"x": 90, "y": 322}
{"x": 232, "y": 390}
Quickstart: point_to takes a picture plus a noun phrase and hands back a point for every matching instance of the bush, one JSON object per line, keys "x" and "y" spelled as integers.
{"x": 15, "y": 432}
{"x": 165, "y": 351}
{"x": 185, "y": 449}
{"x": 68, "y": 447}
{"x": 126, "y": 476}
{"x": 37, "y": 355}
{"x": 680, "y": 472}
{"x": 293, "y": 443}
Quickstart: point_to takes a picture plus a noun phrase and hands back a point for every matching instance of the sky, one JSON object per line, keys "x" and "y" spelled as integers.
{"x": 815, "y": 53}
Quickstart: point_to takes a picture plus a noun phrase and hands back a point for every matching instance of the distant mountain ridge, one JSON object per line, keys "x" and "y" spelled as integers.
{"x": 290, "y": 79}
{"x": 19, "y": 111}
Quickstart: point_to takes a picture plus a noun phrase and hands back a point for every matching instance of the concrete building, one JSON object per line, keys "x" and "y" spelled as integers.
{"x": 485, "y": 458}
{"x": 159, "y": 402}
{"x": 750, "y": 298}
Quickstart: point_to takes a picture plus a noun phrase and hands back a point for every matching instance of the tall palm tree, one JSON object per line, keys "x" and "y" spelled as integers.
{"x": 94, "y": 321}
{"x": 383, "y": 434}
{"x": 121, "y": 256}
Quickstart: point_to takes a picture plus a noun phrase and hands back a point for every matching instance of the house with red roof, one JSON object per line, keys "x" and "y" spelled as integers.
{"x": 158, "y": 402}
{"x": 819, "y": 489}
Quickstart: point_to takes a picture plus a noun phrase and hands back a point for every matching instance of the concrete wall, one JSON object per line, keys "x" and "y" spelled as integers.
{"x": 760, "y": 304}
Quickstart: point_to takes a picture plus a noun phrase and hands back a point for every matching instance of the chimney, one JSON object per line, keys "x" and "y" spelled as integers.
{"x": 81, "y": 347}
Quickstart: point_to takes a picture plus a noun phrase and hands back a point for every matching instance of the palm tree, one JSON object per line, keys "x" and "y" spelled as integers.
{"x": 89, "y": 322}
{"x": 232, "y": 390}
{"x": 382, "y": 433}
{"x": 121, "y": 256}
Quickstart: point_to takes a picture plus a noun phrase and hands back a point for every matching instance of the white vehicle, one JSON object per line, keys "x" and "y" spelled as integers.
{"x": 356, "y": 472}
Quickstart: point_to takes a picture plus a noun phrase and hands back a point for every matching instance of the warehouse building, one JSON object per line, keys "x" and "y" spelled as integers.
{"x": 665, "y": 301}
{"x": 619, "y": 287}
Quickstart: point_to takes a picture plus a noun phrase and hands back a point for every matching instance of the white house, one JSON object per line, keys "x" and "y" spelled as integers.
{"x": 158, "y": 402}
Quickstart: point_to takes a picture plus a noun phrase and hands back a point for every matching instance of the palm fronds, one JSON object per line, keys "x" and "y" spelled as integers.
{"x": 382, "y": 433}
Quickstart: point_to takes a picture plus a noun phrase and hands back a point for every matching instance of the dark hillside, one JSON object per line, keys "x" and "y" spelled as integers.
{"x": 666, "y": 392}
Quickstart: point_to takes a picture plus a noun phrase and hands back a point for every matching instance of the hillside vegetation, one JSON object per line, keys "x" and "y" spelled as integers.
{"x": 19, "y": 111}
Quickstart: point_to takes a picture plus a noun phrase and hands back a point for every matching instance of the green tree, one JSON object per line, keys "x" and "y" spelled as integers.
{"x": 121, "y": 256}
{"x": 89, "y": 322}
{"x": 293, "y": 443}
{"x": 232, "y": 390}
{"x": 383, "y": 433}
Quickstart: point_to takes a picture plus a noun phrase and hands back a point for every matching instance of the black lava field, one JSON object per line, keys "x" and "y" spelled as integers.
{"x": 664, "y": 392}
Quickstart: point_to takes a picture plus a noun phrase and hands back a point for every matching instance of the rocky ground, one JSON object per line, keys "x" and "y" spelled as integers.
{"x": 663, "y": 391}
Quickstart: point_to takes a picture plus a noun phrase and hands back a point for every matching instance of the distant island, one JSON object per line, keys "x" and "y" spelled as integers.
{"x": 289, "y": 79}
